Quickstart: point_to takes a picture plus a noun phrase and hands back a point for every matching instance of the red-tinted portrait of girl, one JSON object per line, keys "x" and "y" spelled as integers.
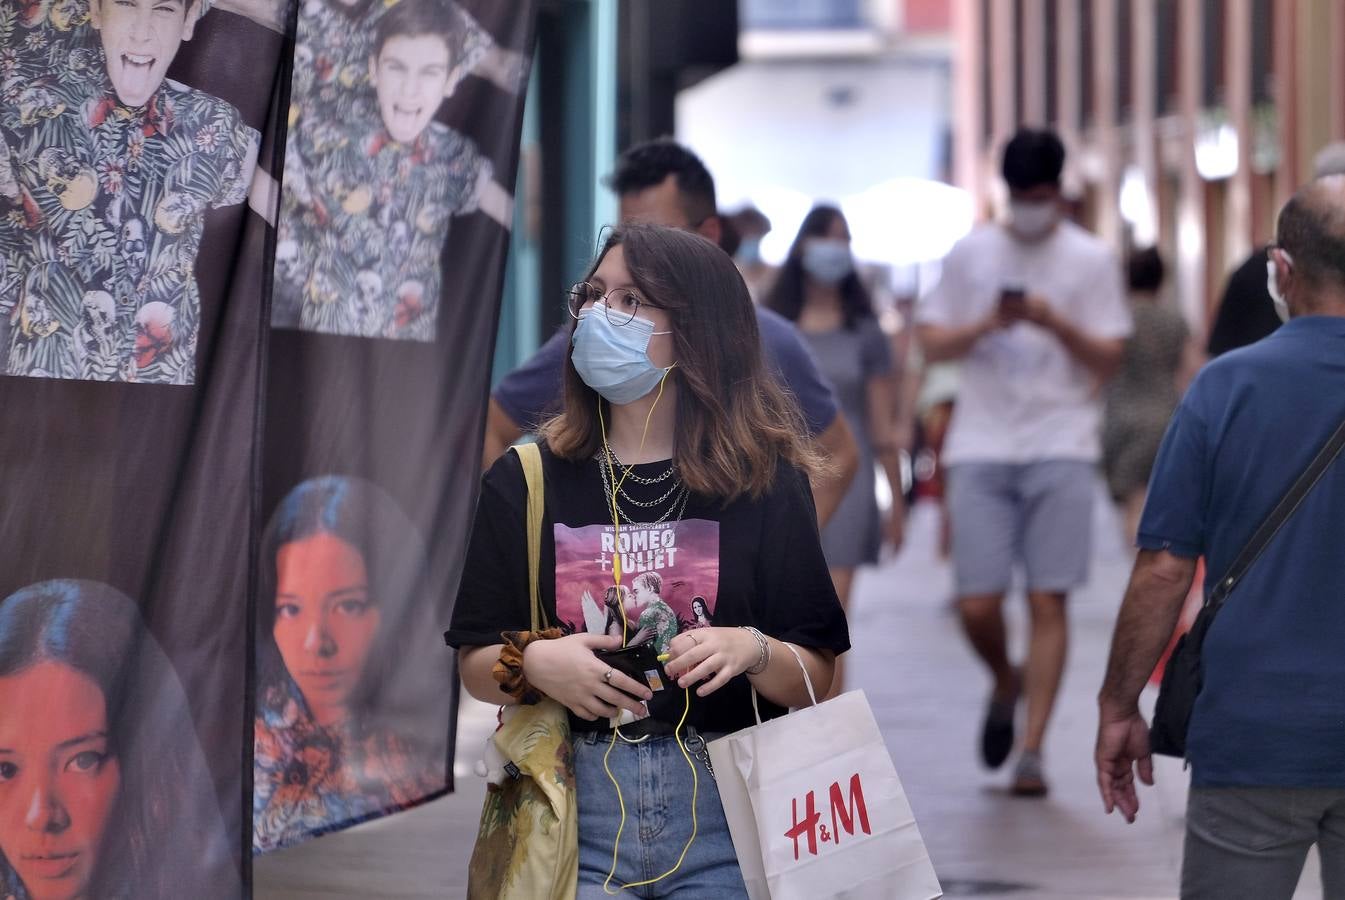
{"x": 103, "y": 788}
{"x": 348, "y": 723}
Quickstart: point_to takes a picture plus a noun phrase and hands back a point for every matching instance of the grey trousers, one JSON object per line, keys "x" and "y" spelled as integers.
{"x": 1251, "y": 842}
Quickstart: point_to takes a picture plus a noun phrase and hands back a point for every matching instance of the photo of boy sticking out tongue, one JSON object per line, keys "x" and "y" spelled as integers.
{"x": 368, "y": 202}
{"x": 150, "y": 156}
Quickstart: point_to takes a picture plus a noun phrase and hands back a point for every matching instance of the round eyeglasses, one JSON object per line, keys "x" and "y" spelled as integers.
{"x": 621, "y": 304}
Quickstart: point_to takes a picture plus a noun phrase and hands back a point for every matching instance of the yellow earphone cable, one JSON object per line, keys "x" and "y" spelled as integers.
{"x": 686, "y": 707}
{"x": 695, "y": 792}
{"x": 616, "y": 485}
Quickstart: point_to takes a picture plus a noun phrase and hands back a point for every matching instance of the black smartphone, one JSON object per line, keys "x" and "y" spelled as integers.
{"x": 1013, "y": 300}
{"x": 640, "y": 662}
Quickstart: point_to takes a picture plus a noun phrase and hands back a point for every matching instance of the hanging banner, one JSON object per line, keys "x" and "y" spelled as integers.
{"x": 402, "y": 148}
{"x": 133, "y": 276}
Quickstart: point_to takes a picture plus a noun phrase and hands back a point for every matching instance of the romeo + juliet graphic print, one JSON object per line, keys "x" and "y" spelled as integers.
{"x": 669, "y": 579}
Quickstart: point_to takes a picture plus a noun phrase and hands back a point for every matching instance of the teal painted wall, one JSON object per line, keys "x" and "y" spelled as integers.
{"x": 586, "y": 32}
{"x": 518, "y": 334}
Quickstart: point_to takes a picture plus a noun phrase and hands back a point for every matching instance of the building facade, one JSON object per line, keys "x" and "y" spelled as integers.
{"x": 1189, "y": 122}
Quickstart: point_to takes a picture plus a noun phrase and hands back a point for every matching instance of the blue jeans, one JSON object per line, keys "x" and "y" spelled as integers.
{"x": 656, "y": 787}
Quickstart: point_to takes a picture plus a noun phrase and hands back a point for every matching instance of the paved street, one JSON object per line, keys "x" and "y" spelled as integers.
{"x": 927, "y": 694}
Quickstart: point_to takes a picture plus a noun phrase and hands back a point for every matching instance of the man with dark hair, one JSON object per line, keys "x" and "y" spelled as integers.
{"x": 652, "y": 176}
{"x": 1034, "y": 160}
{"x": 1035, "y": 310}
{"x": 661, "y": 182}
{"x": 1266, "y": 740}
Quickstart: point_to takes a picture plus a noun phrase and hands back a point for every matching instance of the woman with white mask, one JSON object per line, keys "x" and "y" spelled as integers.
{"x": 820, "y": 291}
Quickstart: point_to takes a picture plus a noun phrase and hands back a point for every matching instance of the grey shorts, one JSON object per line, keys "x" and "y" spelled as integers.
{"x": 1039, "y": 515}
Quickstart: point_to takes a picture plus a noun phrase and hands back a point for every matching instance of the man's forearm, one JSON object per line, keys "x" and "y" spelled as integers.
{"x": 504, "y": 69}
{"x": 1153, "y": 603}
{"x": 890, "y": 459}
{"x": 837, "y": 446}
{"x": 501, "y": 433}
{"x": 266, "y": 13}
{"x": 941, "y": 344}
{"x": 1101, "y": 356}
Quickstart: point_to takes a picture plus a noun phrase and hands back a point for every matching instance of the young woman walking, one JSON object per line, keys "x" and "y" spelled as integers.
{"x": 675, "y": 454}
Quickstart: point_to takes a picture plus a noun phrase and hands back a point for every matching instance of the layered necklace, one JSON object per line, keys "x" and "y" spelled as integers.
{"x": 673, "y": 500}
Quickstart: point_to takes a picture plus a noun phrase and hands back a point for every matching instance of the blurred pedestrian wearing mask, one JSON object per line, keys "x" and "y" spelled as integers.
{"x": 752, "y": 227}
{"x": 819, "y": 290}
{"x": 671, "y": 428}
{"x": 1035, "y": 310}
{"x": 1247, "y": 311}
{"x": 1160, "y": 359}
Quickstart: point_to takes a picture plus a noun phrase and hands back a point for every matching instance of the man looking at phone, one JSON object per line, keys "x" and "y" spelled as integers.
{"x": 1034, "y": 308}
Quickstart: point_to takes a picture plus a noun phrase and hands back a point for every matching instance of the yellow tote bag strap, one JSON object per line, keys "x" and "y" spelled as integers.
{"x": 531, "y": 457}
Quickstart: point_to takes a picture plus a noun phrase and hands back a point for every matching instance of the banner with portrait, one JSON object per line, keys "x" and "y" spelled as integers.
{"x": 404, "y": 121}
{"x": 207, "y": 648}
{"x": 138, "y": 166}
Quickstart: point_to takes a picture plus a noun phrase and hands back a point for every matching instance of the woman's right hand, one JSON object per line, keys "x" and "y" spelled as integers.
{"x": 566, "y": 670}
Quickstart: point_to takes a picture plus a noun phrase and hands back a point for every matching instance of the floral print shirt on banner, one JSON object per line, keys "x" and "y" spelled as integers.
{"x": 359, "y": 246}
{"x": 121, "y": 195}
{"x": 308, "y": 779}
{"x": 364, "y": 219}
{"x": 102, "y": 210}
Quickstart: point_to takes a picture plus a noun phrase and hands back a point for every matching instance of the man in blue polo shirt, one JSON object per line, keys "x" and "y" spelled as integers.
{"x": 661, "y": 182}
{"x": 1267, "y": 737}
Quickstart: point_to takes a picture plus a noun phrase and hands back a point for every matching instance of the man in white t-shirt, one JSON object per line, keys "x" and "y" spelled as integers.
{"x": 1034, "y": 309}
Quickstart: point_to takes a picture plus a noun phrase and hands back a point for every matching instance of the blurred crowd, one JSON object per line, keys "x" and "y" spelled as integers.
{"x": 1038, "y": 363}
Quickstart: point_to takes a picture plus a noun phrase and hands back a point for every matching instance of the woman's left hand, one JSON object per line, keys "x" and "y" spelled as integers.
{"x": 717, "y": 654}
{"x": 896, "y": 525}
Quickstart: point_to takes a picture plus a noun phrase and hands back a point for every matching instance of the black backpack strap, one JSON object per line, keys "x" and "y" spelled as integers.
{"x": 1278, "y": 516}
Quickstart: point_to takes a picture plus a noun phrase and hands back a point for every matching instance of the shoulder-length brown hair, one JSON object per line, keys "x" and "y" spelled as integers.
{"x": 735, "y": 425}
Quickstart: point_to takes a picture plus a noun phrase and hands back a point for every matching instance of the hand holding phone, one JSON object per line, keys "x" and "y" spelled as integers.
{"x": 640, "y": 662}
{"x": 1013, "y": 302}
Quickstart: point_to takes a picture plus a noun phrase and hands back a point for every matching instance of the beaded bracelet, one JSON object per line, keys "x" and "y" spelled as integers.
{"x": 508, "y": 669}
{"x": 763, "y": 650}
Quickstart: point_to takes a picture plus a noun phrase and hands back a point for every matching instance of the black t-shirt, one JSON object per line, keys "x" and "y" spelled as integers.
{"x": 1246, "y": 313}
{"x": 751, "y": 562}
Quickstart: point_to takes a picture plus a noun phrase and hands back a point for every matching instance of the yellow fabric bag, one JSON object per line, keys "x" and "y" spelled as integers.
{"x": 527, "y": 847}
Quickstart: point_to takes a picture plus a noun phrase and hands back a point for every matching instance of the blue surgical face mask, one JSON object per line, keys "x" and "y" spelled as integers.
{"x": 614, "y": 359}
{"x": 749, "y": 251}
{"x": 827, "y": 260}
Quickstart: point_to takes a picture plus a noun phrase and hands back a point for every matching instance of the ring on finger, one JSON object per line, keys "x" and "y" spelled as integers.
{"x": 607, "y": 676}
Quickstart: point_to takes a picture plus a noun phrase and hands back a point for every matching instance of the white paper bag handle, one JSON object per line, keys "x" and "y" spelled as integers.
{"x": 807, "y": 681}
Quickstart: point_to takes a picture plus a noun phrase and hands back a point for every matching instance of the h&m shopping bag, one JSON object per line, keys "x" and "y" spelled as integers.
{"x": 815, "y": 807}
